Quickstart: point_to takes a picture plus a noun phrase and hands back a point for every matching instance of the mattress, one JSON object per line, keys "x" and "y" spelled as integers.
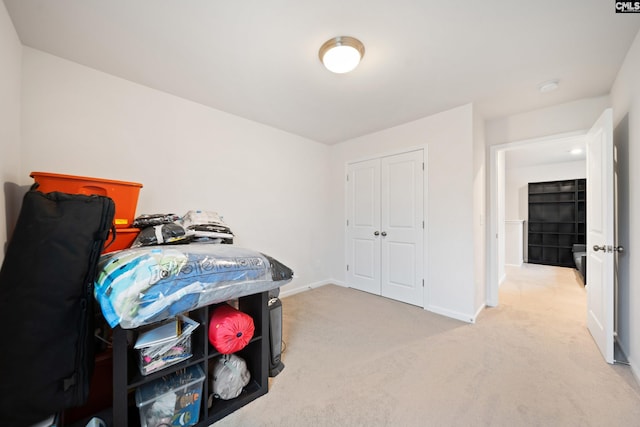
{"x": 138, "y": 286}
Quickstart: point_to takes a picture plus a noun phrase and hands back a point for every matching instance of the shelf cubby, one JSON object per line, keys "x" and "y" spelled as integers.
{"x": 127, "y": 377}
{"x": 557, "y": 221}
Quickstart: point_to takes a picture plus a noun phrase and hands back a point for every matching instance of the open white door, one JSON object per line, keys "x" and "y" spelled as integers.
{"x": 601, "y": 247}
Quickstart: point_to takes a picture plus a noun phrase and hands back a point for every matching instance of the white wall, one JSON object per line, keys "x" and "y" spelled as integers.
{"x": 10, "y": 76}
{"x": 500, "y": 212}
{"x": 479, "y": 212}
{"x": 625, "y": 100}
{"x": 563, "y": 118}
{"x": 517, "y": 191}
{"x": 269, "y": 185}
{"x": 448, "y": 138}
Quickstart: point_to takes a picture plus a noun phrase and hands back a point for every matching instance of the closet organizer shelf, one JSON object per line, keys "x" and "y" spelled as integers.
{"x": 127, "y": 377}
{"x": 557, "y": 220}
{"x": 559, "y": 201}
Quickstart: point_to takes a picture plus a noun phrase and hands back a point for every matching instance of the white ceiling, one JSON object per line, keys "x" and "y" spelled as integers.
{"x": 259, "y": 59}
{"x": 546, "y": 152}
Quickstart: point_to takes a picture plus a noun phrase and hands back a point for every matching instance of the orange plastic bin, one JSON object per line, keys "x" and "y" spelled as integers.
{"x": 124, "y": 194}
{"x": 124, "y": 239}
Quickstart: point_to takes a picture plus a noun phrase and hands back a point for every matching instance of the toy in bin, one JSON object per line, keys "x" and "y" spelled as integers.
{"x": 173, "y": 400}
{"x": 165, "y": 345}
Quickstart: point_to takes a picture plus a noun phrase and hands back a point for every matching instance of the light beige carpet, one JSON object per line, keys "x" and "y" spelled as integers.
{"x": 354, "y": 359}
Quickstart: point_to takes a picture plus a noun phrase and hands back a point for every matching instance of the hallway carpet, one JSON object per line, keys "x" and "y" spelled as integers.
{"x": 355, "y": 359}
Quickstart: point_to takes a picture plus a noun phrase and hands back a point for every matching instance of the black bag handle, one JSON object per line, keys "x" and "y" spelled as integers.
{"x": 113, "y": 239}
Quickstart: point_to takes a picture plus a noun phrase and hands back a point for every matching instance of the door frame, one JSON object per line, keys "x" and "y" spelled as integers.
{"x": 425, "y": 207}
{"x": 496, "y": 232}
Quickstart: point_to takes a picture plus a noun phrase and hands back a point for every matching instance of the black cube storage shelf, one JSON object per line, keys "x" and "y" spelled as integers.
{"x": 127, "y": 377}
{"x": 557, "y": 221}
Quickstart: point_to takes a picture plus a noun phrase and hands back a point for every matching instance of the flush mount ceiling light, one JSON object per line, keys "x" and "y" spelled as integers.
{"x": 341, "y": 54}
{"x": 549, "y": 86}
{"x": 576, "y": 151}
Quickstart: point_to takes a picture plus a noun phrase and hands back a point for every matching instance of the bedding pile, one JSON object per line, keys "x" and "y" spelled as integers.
{"x": 194, "y": 226}
{"x": 138, "y": 286}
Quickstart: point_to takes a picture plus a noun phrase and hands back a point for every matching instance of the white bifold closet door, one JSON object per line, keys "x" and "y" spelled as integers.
{"x": 385, "y": 226}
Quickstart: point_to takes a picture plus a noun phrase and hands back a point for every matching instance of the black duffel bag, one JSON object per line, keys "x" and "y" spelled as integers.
{"x": 46, "y": 304}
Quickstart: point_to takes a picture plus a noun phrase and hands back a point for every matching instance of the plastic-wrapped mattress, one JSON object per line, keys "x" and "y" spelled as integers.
{"x": 143, "y": 285}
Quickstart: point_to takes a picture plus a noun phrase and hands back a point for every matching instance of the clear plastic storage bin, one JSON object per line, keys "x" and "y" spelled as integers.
{"x": 173, "y": 400}
{"x": 166, "y": 352}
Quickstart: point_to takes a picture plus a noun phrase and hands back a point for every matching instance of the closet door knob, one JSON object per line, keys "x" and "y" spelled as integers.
{"x": 384, "y": 233}
{"x": 376, "y": 233}
{"x": 597, "y": 248}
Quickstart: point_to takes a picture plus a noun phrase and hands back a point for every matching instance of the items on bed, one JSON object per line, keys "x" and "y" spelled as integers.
{"x": 139, "y": 286}
{"x": 165, "y": 345}
{"x": 162, "y": 234}
{"x": 207, "y": 226}
{"x": 194, "y": 226}
{"x": 149, "y": 220}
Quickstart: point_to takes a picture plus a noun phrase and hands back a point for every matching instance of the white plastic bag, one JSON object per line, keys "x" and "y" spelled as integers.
{"x": 230, "y": 375}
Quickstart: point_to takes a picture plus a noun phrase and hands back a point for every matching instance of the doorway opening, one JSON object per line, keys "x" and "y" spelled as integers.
{"x": 512, "y": 165}
{"x": 602, "y": 238}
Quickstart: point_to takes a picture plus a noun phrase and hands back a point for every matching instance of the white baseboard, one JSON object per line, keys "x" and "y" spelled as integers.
{"x": 453, "y": 314}
{"x": 514, "y": 265}
{"x": 287, "y": 291}
{"x": 475, "y": 316}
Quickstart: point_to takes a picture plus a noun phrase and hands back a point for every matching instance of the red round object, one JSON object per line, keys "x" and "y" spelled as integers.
{"x": 230, "y": 330}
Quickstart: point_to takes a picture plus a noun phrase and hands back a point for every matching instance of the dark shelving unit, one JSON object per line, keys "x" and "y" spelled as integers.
{"x": 127, "y": 377}
{"x": 557, "y": 221}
